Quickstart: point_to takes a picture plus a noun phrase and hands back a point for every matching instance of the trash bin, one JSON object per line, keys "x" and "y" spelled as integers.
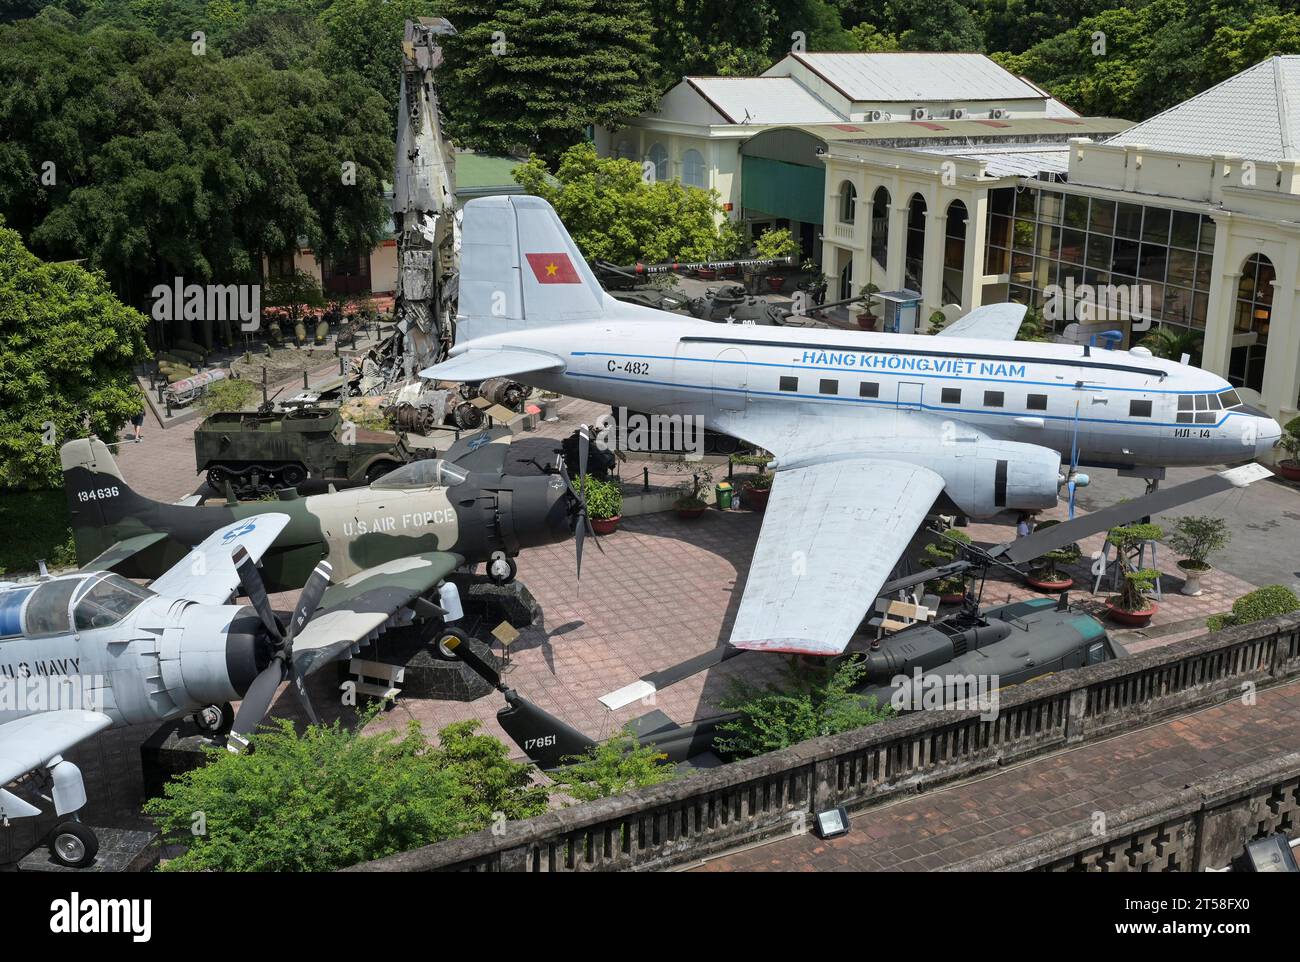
{"x": 723, "y": 494}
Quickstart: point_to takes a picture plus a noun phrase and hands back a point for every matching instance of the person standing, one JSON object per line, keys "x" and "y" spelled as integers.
{"x": 137, "y": 420}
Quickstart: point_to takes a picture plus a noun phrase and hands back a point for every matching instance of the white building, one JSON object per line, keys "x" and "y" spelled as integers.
{"x": 945, "y": 174}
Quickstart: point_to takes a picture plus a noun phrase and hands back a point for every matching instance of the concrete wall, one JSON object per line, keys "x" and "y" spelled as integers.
{"x": 740, "y": 803}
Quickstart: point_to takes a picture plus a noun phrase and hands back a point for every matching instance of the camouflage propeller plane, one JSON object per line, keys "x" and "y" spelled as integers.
{"x": 453, "y": 513}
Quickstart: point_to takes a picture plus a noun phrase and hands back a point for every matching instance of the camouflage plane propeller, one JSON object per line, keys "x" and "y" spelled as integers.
{"x": 457, "y": 513}
{"x": 86, "y": 651}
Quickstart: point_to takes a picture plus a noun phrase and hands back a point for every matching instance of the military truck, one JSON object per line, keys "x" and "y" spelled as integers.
{"x": 260, "y": 451}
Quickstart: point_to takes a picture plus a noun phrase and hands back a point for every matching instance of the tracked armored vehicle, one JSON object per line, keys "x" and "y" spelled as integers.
{"x": 259, "y": 452}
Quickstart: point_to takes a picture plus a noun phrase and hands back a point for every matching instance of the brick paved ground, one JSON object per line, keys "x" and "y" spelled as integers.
{"x": 927, "y": 832}
{"x": 664, "y": 590}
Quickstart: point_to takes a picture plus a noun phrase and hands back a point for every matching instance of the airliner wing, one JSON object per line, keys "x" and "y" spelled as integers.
{"x": 832, "y": 533}
{"x": 479, "y": 364}
{"x": 992, "y": 322}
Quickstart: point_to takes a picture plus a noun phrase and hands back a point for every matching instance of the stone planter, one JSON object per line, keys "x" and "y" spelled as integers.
{"x": 1192, "y": 579}
{"x": 755, "y": 498}
{"x": 706, "y": 273}
{"x": 1289, "y": 469}
{"x": 691, "y": 512}
{"x": 867, "y": 321}
{"x": 1052, "y": 587}
{"x": 775, "y": 283}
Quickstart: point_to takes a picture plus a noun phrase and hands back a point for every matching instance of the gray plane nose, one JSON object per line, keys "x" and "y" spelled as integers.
{"x": 1268, "y": 433}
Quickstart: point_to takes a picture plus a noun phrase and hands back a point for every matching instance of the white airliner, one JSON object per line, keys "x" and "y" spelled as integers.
{"x": 866, "y": 430}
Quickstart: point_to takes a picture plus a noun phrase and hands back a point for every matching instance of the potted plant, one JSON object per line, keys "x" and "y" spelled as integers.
{"x": 1289, "y": 467}
{"x": 938, "y": 321}
{"x": 952, "y": 589}
{"x": 604, "y": 505}
{"x": 755, "y": 490}
{"x": 866, "y": 319}
{"x": 691, "y": 503}
{"x": 1196, "y": 537}
{"x": 706, "y": 273}
{"x": 1131, "y": 606}
{"x": 774, "y": 244}
{"x": 1045, "y": 572}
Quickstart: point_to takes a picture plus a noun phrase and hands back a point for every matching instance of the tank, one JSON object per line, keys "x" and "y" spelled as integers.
{"x": 260, "y": 452}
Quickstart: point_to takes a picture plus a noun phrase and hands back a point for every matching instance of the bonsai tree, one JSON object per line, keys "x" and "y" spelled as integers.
{"x": 941, "y": 552}
{"x": 1128, "y": 541}
{"x": 1291, "y": 445}
{"x": 1196, "y": 537}
{"x": 604, "y": 499}
{"x": 937, "y": 323}
{"x": 1265, "y": 602}
{"x": 692, "y": 496}
{"x": 1047, "y": 568}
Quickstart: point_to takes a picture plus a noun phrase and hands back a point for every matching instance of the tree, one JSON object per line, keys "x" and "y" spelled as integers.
{"x": 616, "y": 765}
{"x": 614, "y": 214}
{"x": 365, "y": 37}
{"x": 815, "y": 700}
{"x": 532, "y": 75}
{"x": 1173, "y": 342}
{"x": 67, "y": 347}
{"x": 331, "y": 797}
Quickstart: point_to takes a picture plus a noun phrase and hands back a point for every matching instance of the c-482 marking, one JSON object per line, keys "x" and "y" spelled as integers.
{"x": 629, "y": 367}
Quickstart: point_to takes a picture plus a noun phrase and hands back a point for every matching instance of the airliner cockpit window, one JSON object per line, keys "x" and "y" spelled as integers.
{"x": 423, "y": 474}
{"x": 1204, "y": 408}
{"x": 1229, "y": 399}
{"x": 108, "y": 601}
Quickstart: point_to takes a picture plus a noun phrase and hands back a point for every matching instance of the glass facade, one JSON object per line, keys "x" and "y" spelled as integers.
{"x": 1041, "y": 237}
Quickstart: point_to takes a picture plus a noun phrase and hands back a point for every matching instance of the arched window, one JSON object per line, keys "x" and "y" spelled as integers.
{"x": 914, "y": 260}
{"x": 658, "y": 155}
{"x": 1253, "y": 315}
{"x": 693, "y": 172}
{"x": 880, "y": 226}
{"x": 848, "y": 203}
{"x": 954, "y": 253}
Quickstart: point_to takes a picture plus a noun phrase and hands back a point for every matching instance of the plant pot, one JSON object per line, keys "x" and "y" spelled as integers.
{"x": 1289, "y": 469}
{"x": 775, "y": 283}
{"x": 606, "y": 525}
{"x": 1041, "y": 584}
{"x": 731, "y": 270}
{"x": 755, "y": 498}
{"x": 1131, "y": 619}
{"x": 955, "y": 598}
{"x": 867, "y": 321}
{"x": 691, "y": 512}
{"x": 706, "y": 273}
{"x": 1192, "y": 579}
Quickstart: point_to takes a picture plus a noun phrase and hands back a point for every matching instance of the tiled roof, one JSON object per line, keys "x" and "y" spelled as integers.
{"x": 1255, "y": 114}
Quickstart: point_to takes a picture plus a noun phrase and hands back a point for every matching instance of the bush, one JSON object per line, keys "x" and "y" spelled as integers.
{"x": 232, "y": 394}
{"x": 762, "y": 481}
{"x": 1266, "y": 602}
{"x": 775, "y": 243}
{"x": 604, "y": 499}
{"x": 330, "y": 797}
{"x": 1291, "y": 437}
{"x": 815, "y": 700}
{"x": 617, "y": 765}
{"x": 1196, "y": 537}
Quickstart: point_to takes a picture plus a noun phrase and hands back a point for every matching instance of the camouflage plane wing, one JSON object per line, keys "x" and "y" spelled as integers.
{"x": 831, "y": 534}
{"x": 354, "y": 611}
{"x": 124, "y": 550}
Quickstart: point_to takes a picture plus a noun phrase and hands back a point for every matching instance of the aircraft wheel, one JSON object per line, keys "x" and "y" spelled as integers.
{"x": 215, "y": 719}
{"x": 217, "y": 479}
{"x": 443, "y": 652}
{"x": 293, "y": 475}
{"x": 73, "y": 844}
{"x": 502, "y": 570}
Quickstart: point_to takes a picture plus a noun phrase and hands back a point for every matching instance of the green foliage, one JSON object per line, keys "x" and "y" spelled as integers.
{"x": 294, "y": 292}
{"x": 1128, "y": 537}
{"x": 774, "y": 243}
{"x": 1173, "y": 342}
{"x": 1134, "y": 588}
{"x": 1196, "y": 537}
{"x": 814, "y": 700}
{"x": 38, "y": 529}
{"x": 331, "y": 797}
{"x": 532, "y": 75}
{"x": 232, "y": 394}
{"x": 760, "y": 481}
{"x": 1265, "y": 602}
{"x": 613, "y": 214}
{"x": 1291, "y": 437}
{"x": 938, "y": 321}
{"x": 604, "y": 499}
{"x": 942, "y": 551}
{"x": 614, "y": 766}
{"x": 1047, "y": 567}
{"x": 67, "y": 347}
{"x": 1033, "y": 327}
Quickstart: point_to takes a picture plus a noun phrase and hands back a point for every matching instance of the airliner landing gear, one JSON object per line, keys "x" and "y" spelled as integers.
{"x": 215, "y": 719}
{"x": 73, "y": 844}
{"x": 501, "y": 569}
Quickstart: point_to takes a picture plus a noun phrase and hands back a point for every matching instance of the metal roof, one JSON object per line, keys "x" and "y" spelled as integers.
{"x": 899, "y": 132}
{"x": 1254, "y": 114}
{"x": 911, "y": 77}
{"x": 763, "y": 100}
{"x": 1013, "y": 160}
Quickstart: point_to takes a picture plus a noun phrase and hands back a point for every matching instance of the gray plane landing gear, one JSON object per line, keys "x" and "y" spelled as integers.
{"x": 501, "y": 570}
{"x": 215, "y": 720}
{"x": 73, "y": 844}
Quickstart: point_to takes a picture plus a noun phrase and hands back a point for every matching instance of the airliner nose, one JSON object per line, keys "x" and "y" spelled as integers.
{"x": 1267, "y": 433}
